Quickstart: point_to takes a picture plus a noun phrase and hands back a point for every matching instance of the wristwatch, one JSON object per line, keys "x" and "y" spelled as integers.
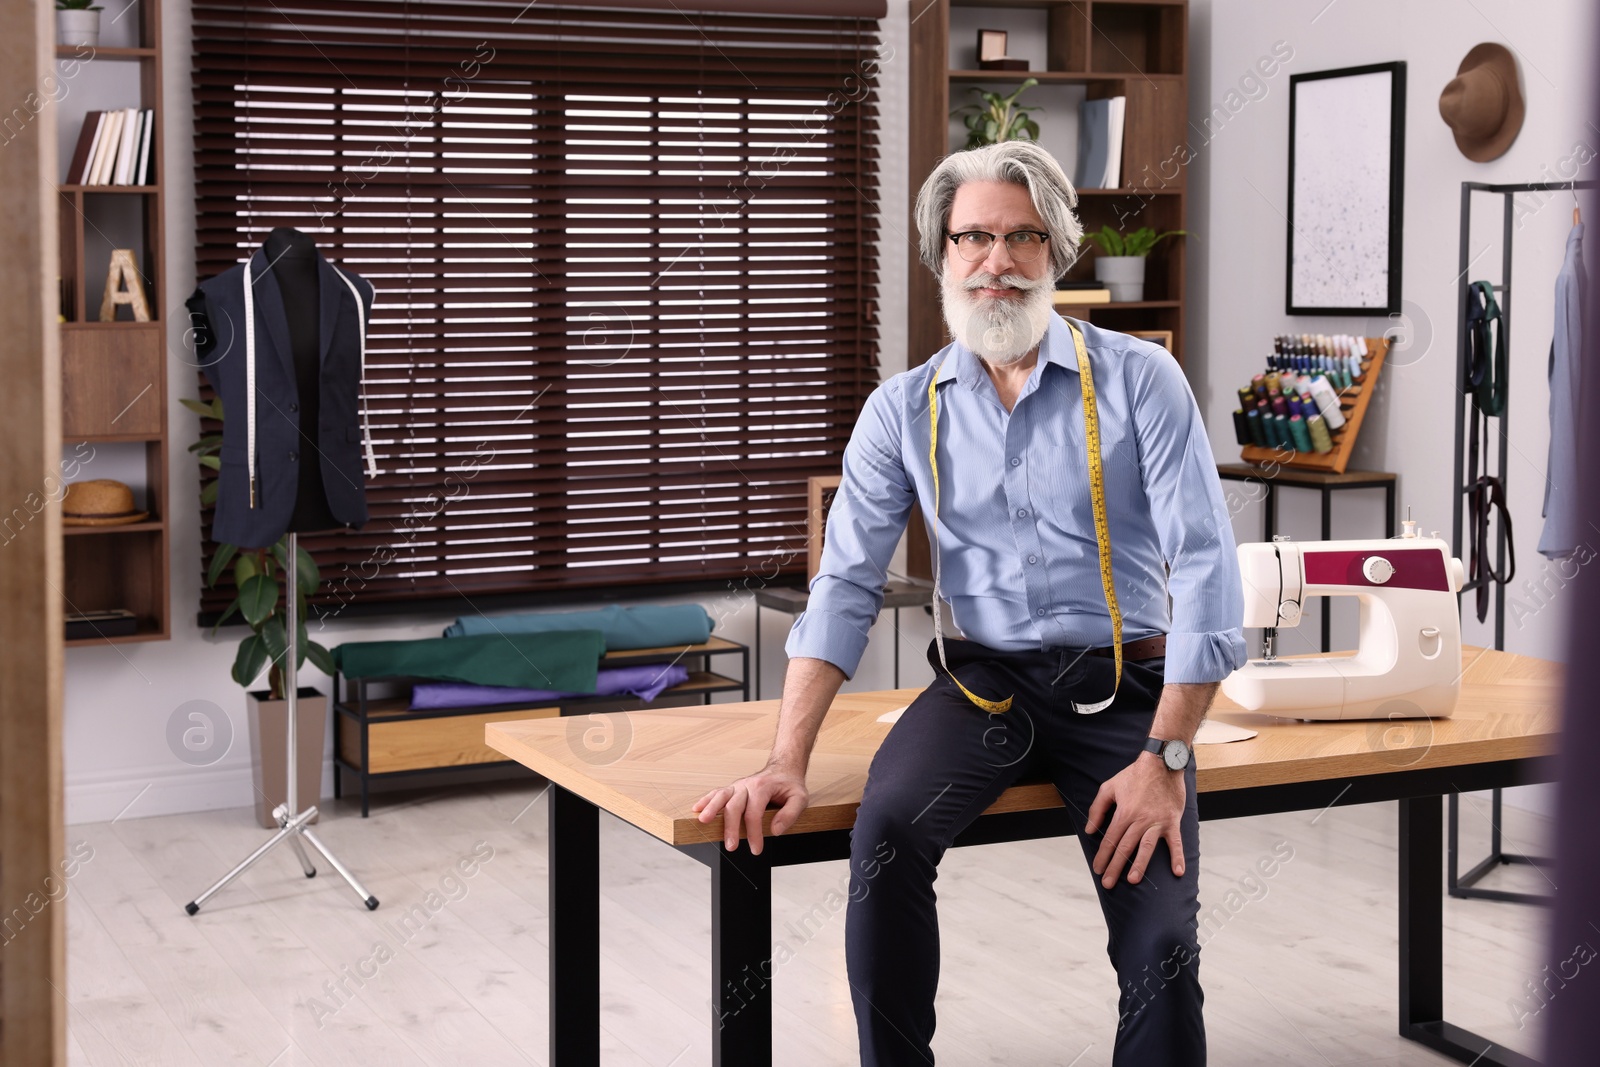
{"x": 1174, "y": 753}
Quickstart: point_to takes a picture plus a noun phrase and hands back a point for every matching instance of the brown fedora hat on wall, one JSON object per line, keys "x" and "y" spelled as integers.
{"x": 1483, "y": 105}
{"x": 99, "y": 502}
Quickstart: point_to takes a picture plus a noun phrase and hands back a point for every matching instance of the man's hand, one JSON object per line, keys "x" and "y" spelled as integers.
{"x": 746, "y": 800}
{"x": 1149, "y": 807}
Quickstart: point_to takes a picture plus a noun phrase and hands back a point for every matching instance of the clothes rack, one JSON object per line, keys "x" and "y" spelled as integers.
{"x": 1465, "y": 884}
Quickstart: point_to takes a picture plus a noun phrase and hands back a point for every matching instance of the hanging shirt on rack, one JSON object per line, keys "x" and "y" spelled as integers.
{"x": 1561, "y": 504}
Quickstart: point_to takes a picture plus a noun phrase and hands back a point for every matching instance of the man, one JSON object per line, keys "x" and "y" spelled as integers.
{"x": 1019, "y": 559}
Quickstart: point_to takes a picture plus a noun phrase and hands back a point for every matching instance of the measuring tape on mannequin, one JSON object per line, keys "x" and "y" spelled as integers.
{"x": 250, "y": 372}
{"x": 1102, "y": 529}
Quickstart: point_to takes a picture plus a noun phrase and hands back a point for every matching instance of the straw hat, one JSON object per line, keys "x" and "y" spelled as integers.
{"x": 99, "y": 502}
{"x": 1483, "y": 104}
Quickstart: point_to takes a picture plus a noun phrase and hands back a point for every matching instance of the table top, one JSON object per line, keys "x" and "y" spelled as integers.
{"x": 895, "y": 595}
{"x": 1284, "y": 475}
{"x": 649, "y": 766}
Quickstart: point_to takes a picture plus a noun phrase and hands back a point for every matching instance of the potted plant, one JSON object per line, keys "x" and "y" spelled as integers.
{"x": 1122, "y": 256}
{"x": 78, "y": 22}
{"x": 999, "y": 118}
{"x": 261, "y": 601}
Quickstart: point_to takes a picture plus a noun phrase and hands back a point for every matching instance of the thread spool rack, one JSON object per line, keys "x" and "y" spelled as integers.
{"x": 1353, "y": 404}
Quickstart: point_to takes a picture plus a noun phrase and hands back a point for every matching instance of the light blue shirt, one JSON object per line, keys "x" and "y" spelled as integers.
{"x": 1563, "y": 518}
{"x": 1020, "y": 564}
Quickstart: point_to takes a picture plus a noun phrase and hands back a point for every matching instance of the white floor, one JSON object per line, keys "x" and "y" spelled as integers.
{"x": 1299, "y": 967}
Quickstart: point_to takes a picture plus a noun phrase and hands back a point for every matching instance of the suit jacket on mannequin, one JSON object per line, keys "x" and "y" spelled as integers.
{"x": 217, "y": 311}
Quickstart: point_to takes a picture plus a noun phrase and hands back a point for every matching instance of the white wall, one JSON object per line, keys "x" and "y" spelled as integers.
{"x": 120, "y": 698}
{"x": 1237, "y": 253}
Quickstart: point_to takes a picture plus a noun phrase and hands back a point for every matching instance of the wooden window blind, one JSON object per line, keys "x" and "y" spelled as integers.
{"x": 625, "y": 268}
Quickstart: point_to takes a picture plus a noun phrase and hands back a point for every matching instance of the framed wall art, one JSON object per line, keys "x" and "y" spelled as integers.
{"x": 1346, "y": 180}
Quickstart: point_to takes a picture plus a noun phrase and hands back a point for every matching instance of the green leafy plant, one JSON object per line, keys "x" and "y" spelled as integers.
{"x": 256, "y": 576}
{"x": 1140, "y": 242}
{"x": 77, "y": 5}
{"x": 999, "y": 118}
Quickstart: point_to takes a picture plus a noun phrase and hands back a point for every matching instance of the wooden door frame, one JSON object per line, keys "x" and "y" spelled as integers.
{"x": 33, "y": 1006}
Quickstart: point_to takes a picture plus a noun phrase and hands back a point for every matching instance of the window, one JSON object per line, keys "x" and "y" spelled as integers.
{"x": 625, "y": 269}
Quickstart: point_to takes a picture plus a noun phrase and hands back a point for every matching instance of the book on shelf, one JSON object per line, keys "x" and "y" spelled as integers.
{"x": 115, "y": 147}
{"x": 127, "y": 145}
{"x": 105, "y": 147}
{"x": 1100, "y": 126}
{"x": 83, "y": 154}
{"x": 141, "y": 170}
{"x": 1076, "y": 297}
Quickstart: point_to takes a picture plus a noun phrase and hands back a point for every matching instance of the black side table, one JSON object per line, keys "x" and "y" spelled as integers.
{"x": 896, "y": 595}
{"x": 1326, "y": 483}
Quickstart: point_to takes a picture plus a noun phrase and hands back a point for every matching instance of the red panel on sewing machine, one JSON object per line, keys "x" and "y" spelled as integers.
{"x": 1414, "y": 568}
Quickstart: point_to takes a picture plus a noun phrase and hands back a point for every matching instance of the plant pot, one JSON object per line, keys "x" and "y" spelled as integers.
{"x": 269, "y": 750}
{"x": 1123, "y": 275}
{"x": 80, "y": 26}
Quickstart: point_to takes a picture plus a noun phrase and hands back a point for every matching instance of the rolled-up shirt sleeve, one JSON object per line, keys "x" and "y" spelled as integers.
{"x": 1206, "y": 641}
{"x": 865, "y": 521}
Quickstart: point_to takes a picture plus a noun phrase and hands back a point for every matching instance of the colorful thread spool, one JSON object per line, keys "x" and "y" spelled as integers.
{"x": 1258, "y": 436}
{"x": 1328, "y": 401}
{"x": 1318, "y": 429}
{"x": 1297, "y": 430}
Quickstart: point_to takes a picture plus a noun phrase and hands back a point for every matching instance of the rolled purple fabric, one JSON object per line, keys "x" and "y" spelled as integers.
{"x": 646, "y": 681}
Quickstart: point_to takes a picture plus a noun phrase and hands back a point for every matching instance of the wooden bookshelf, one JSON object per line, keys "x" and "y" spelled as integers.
{"x": 1132, "y": 48}
{"x": 114, "y": 391}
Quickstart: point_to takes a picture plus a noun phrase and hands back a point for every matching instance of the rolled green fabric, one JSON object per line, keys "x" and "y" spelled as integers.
{"x": 566, "y": 661}
{"x": 645, "y": 626}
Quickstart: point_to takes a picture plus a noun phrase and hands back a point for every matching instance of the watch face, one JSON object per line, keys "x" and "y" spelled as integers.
{"x": 1176, "y": 755}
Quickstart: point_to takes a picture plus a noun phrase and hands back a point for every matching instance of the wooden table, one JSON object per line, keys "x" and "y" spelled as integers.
{"x": 657, "y": 763}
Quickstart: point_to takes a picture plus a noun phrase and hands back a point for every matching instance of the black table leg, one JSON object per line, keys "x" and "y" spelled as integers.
{"x": 1422, "y": 944}
{"x": 574, "y": 930}
{"x": 897, "y": 648}
{"x": 741, "y": 959}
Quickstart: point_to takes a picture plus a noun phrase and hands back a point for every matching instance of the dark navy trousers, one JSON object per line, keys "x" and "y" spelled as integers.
{"x": 942, "y": 764}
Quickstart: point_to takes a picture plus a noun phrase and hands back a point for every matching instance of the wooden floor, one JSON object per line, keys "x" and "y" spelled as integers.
{"x": 1299, "y": 968}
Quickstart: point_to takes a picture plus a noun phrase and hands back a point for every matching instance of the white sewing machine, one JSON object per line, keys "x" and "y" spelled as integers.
{"x": 1409, "y": 661}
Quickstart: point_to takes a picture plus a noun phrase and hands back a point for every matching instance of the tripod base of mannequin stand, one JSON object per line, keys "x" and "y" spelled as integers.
{"x": 290, "y": 830}
{"x": 291, "y": 824}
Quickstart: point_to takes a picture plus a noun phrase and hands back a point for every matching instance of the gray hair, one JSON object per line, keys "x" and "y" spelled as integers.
{"x": 1021, "y": 163}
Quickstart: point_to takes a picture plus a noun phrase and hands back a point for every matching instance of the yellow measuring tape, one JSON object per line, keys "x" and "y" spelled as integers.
{"x": 1102, "y": 528}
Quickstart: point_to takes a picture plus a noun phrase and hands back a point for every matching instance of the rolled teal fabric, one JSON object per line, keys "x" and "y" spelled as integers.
{"x": 566, "y": 661}
{"x": 645, "y": 626}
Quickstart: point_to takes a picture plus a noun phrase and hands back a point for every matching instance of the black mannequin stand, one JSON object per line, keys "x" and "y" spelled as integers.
{"x": 294, "y": 263}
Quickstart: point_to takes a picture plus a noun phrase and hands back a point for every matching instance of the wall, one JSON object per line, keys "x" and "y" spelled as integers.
{"x": 119, "y": 699}
{"x": 1237, "y": 253}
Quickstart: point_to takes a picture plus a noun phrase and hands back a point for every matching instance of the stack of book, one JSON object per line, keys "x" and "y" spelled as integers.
{"x": 1100, "y": 143}
{"x": 1081, "y": 294}
{"x": 115, "y": 148}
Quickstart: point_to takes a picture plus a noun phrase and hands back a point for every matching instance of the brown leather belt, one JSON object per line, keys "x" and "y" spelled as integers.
{"x": 1149, "y": 648}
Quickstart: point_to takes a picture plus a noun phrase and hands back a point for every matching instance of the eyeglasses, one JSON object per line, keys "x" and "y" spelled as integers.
{"x": 1024, "y": 246}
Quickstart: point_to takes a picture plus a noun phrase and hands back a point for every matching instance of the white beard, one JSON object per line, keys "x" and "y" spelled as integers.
{"x": 1001, "y": 332}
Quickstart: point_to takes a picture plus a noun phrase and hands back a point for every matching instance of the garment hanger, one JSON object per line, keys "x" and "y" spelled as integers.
{"x": 1572, "y": 186}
